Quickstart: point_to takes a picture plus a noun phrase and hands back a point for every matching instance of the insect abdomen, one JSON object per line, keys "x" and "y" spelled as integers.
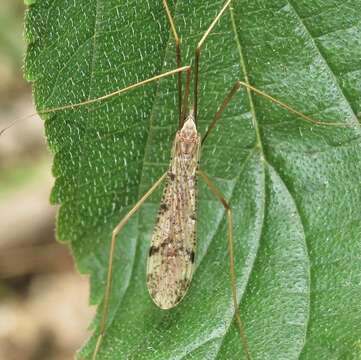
{"x": 172, "y": 251}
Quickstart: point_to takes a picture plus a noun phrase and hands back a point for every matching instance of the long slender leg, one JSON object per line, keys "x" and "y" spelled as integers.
{"x": 117, "y": 92}
{"x": 99, "y": 99}
{"x": 218, "y": 114}
{"x": 216, "y": 192}
{"x": 179, "y": 59}
{"x": 198, "y": 54}
{"x": 289, "y": 108}
{"x": 237, "y": 86}
{"x": 115, "y": 233}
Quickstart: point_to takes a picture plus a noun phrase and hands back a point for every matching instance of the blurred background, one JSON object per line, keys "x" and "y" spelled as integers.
{"x": 44, "y": 311}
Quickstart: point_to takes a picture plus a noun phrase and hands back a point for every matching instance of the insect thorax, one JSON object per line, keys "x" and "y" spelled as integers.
{"x": 188, "y": 137}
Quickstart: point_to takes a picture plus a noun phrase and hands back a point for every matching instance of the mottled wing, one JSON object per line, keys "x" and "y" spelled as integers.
{"x": 172, "y": 251}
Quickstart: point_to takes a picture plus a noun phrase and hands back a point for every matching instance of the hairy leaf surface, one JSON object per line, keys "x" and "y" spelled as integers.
{"x": 294, "y": 187}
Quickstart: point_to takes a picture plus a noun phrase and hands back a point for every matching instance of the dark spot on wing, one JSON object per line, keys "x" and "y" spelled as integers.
{"x": 171, "y": 176}
{"x": 179, "y": 298}
{"x": 191, "y": 255}
{"x": 153, "y": 250}
{"x": 163, "y": 207}
{"x": 193, "y": 217}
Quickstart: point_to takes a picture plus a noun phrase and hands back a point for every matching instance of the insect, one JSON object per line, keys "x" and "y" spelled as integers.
{"x": 172, "y": 250}
{"x": 174, "y": 255}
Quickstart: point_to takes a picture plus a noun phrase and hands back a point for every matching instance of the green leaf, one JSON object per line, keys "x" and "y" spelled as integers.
{"x": 294, "y": 187}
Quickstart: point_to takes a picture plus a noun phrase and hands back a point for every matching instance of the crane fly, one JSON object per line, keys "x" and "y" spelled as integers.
{"x": 173, "y": 246}
{"x": 172, "y": 250}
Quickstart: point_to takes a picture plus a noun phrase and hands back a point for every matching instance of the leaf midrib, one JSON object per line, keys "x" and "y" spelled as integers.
{"x": 264, "y": 161}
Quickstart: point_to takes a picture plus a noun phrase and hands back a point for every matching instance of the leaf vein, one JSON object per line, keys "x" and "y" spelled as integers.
{"x": 327, "y": 65}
